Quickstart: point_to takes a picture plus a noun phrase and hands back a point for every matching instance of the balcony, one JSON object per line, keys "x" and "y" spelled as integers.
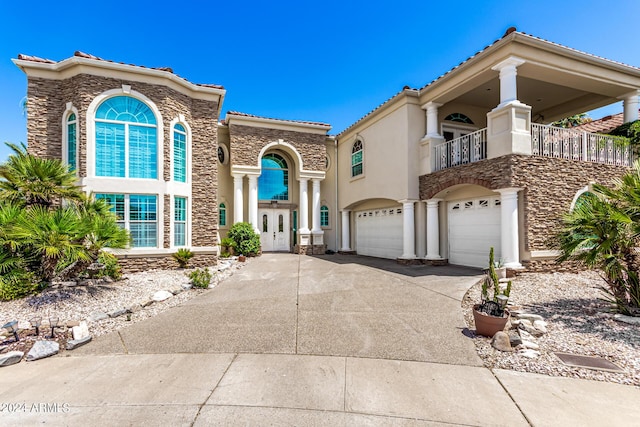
{"x": 546, "y": 141}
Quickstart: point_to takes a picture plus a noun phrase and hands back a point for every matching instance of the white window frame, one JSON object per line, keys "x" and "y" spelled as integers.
{"x": 182, "y": 121}
{"x": 172, "y": 210}
{"x": 360, "y": 176}
{"x": 70, "y": 109}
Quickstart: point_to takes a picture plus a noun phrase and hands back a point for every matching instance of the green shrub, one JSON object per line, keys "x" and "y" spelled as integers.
{"x": 17, "y": 284}
{"x": 183, "y": 256}
{"x": 225, "y": 255}
{"x": 247, "y": 241}
{"x": 111, "y": 265}
{"x": 200, "y": 277}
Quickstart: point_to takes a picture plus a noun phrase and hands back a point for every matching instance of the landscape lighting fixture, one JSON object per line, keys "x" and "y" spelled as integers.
{"x": 53, "y": 322}
{"x": 13, "y": 328}
{"x": 502, "y": 300}
{"x": 36, "y": 322}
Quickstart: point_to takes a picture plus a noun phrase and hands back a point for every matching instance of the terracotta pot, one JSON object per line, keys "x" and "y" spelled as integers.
{"x": 242, "y": 258}
{"x": 488, "y": 325}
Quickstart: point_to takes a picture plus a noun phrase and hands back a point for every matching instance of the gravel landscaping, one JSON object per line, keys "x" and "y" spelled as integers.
{"x": 578, "y": 322}
{"x": 106, "y": 306}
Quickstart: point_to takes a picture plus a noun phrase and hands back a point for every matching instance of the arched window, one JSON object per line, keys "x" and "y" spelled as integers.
{"x": 273, "y": 183}
{"x": 581, "y": 198}
{"x": 324, "y": 216}
{"x": 179, "y": 153}
{"x": 72, "y": 141}
{"x": 126, "y": 139}
{"x": 222, "y": 209}
{"x": 356, "y": 159}
{"x": 459, "y": 117}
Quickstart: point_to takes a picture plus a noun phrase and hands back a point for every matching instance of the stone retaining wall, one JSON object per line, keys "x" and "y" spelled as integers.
{"x": 134, "y": 264}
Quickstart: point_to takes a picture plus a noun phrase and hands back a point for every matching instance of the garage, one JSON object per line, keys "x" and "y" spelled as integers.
{"x": 474, "y": 226}
{"x": 379, "y": 232}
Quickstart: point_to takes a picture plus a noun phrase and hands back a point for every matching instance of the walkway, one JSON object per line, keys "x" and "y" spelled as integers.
{"x": 297, "y": 340}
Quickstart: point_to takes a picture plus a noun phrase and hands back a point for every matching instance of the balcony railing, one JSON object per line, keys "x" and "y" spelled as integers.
{"x": 571, "y": 144}
{"x": 460, "y": 151}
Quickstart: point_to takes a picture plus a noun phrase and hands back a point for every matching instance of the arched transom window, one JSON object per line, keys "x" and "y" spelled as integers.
{"x": 126, "y": 139}
{"x": 459, "y": 118}
{"x": 273, "y": 183}
{"x": 356, "y": 159}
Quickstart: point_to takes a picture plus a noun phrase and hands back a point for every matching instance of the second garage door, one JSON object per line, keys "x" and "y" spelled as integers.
{"x": 379, "y": 232}
{"x": 474, "y": 227}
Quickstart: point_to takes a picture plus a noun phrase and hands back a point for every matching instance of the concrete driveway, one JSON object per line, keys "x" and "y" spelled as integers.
{"x": 298, "y": 340}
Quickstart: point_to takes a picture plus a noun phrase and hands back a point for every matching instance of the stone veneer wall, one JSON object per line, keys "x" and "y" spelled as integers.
{"x": 134, "y": 264}
{"x": 549, "y": 187}
{"x": 248, "y": 141}
{"x": 46, "y": 101}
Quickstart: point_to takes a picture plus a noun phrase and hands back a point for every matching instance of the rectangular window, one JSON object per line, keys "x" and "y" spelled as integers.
{"x": 179, "y": 156}
{"x": 324, "y": 216}
{"x": 180, "y": 221}
{"x": 110, "y": 149}
{"x": 143, "y": 159}
{"x": 138, "y": 214}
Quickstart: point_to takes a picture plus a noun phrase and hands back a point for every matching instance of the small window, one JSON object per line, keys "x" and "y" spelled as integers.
{"x": 497, "y": 202}
{"x": 483, "y": 203}
{"x": 222, "y": 214}
{"x": 468, "y": 205}
{"x": 280, "y": 223}
{"x": 459, "y": 118}
{"x": 456, "y": 207}
{"x": 179, "y": 153}
{"x": 356, "y": 159}
{"x": 399, "y": 211}
{"x": 180, "y": 221}
{"x": 72, "y": 141}
{"x": 265, "y": 224}
{"x": 324, "y": 216}
{"x": 222, "y": 154}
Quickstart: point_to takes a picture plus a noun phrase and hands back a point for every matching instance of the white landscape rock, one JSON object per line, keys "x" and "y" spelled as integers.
{"x": 10, "y": 358}
{"x": 161, "y": 296}
{"x": 541, "y": 326}
{"x": 42, "y": 349}
{"x": 528, "y": 316}
{"x": 627, "y": 319}
{"x": 530, "y": 345}
{"x": 81, "y": 331}
{"x": 529, "y": 353}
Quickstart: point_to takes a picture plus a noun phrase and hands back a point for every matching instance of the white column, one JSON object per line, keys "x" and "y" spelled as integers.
{"x": 238, "y": 198}
{"x": 315, "y": 214}
{"x": 408, "y": 230}
{"x": 508, "y": 85}
{"x": 346, "y": 239}
{"x": 304, "y": 206}
{"x": 432, "y": 118}
{"x": 630, "y": 107}
{"x": 433, "y": 229}
{"x": 253, "y": 202}
{"x": 509, "y": 227}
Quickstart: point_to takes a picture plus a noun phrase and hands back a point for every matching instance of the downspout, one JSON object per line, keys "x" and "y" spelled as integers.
{"x": 337, "y": 211}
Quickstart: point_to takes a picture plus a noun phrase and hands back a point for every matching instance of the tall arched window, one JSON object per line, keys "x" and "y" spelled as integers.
{"x": 324, "y": 216}
{"x": 179, "y": 153}
{"x": 222, "y": 209}
{"x": 126, "y": 139}
{"x": 273, "y": 183}
{"x": 72, "y": 141}
{"x": 356, "y": 158}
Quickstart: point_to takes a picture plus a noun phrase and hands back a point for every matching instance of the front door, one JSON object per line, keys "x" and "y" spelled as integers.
{"x": 274, "y": 230}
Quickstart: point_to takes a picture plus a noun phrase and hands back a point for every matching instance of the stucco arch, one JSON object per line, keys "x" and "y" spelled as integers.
{"x": 287, "y": 148}
{"x": 440, "y": 190}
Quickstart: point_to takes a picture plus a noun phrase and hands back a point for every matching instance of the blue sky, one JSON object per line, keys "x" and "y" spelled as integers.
{"x": 329, "y": 61}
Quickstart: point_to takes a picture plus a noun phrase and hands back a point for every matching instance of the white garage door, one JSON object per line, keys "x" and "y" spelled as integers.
{"x": 379, "y": 232}
{"x": 474, "y": 226}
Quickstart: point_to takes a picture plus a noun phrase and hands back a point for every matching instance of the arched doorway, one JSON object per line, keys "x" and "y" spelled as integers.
{"x": 273, "y": 189}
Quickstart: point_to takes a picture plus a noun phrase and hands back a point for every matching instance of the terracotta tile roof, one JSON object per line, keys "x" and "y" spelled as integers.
{"x": 237, "y": 113}
{"x": 506, "y": 34}
{"x": 603, "y": 125}
{"x": 80, "y": 54}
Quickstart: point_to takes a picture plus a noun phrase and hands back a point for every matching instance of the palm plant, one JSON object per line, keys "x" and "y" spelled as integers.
{"x": 603, "y": 232}
{"x": 29, "y": 180}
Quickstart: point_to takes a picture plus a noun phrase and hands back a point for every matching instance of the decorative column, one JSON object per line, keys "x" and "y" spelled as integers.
{"x": 408, "y": 230}
{"x": 316, "y": 229}
{"x": 630, "y": 106}
{"x": 253, "y": 202}
{"x": 346, "y": 239}
{"x": 303, "y": 229}
{"x": 430, "y": 139}
{"x": 509, "y": 227}
{"x": 238, "y": 201}
{"x": 508, "y": 84}
{"x": 433, "y": 229}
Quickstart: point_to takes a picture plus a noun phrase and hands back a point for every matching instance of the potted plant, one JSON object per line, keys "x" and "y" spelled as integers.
{"x": 491, "y": 315}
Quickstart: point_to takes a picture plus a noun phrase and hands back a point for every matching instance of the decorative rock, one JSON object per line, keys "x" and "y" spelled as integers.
{"x": 531, "y": 354}
{"x": 67, "y": 284}
{"x": 72, "y": 344}
{"x": 223, "y": 266}
{"x": 176, "y": 290}
{"x": 526, "y": 335}
{"x": 72, "y": 323}
{"x": 97, "y": 315}
{"x": 42, "y": 349}
{"x": 81, "y": 331}
{"x": 515, "y": 339}
{"x": 134, "y": 308}
{"x": 186, "y": 286}
{"x": 161, "y": 296}
{"x": 627, "y": 319}
{"x": 11, "y": 358}
{"x": 540, "y": 325}
{"x": 146, "y": 303}
{"x": 501, "y": 342}
{"x": 530, "y": 344}
{"x": 117, "y": 313}
{"x": 530, "y": 317}
{"x": 528, "y": 327}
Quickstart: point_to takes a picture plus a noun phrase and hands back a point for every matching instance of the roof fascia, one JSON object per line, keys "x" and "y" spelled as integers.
{"x": 263, "y": 122}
